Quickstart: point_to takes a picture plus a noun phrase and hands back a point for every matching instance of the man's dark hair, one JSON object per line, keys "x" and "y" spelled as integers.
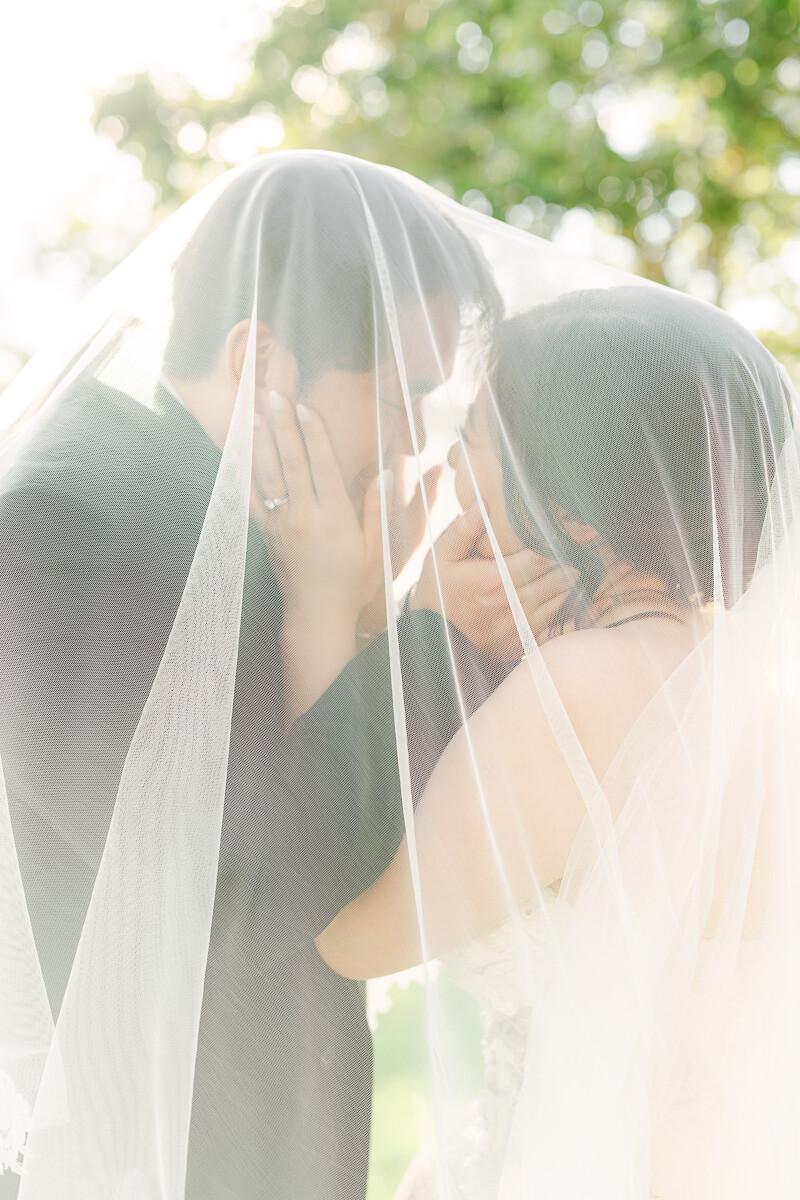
{"x": 305, "y": 227}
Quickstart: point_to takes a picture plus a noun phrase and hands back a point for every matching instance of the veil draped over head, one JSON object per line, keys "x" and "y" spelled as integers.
{"x": 286, "y": 708}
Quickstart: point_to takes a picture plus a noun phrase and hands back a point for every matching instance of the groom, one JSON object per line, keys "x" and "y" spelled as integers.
{"x": 98, "y": 527}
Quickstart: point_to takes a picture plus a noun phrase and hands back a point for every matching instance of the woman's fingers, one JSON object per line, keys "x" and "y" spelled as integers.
{"x": 541, "y": 588}
{"x": 542, "y": 617}
{"x": 292, "y": 452}
{"x": 525, "y": 570}
{"x": 460, "y": 537}
{"x": 555, "y": 585}
{"x": 528, "y": 569}
{"x": 506, "y": 636}
{"x": 267, "y": 472}
{"x": 325, "y": 472}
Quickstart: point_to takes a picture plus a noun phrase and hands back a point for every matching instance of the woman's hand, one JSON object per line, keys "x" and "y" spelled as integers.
{"x": 328, "y": 564}
{"x": 324, "y": 557}
{"x": 471, "y": 595}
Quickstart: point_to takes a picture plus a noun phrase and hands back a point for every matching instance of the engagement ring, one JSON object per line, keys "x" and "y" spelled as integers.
{"x": 273, "y": 502}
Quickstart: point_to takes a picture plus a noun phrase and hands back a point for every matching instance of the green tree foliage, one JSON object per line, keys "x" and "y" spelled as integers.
{"x": 402, "y": 1076}
{"x": 670, "y": 125}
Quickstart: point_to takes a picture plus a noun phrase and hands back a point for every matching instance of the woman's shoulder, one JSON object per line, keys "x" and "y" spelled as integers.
{"x": 602, "y": 679}
{"x": 583, "y": 665}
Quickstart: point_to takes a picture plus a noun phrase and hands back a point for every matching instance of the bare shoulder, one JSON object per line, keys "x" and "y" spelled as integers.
{"x": 521, "y": 757}
{"x": 602, "y": 680}
{"x": 590, "y": 665}
{"x": 578, "y": 673}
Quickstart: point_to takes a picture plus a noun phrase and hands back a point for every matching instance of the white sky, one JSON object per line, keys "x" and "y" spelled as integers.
{"x": 51, "y": 53}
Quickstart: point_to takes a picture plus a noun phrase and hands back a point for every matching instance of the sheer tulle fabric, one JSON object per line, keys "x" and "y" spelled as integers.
{"x": 184, "y": 809}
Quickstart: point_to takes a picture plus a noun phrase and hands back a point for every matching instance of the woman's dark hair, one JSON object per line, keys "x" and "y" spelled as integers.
{"x": 302, "y": 226}
{"x": 654, "y": 419}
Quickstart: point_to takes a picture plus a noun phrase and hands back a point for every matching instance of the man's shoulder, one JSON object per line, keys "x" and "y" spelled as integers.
{"x": 97, "y": 441}
{"x": 91, "y": 411}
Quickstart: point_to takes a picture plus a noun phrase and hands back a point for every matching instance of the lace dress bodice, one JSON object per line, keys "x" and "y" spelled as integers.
{"x": 500, "y": 970}
{"x": 505, "y": 970}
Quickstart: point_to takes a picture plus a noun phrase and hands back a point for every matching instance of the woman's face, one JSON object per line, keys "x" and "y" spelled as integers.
{"x": 479, "y": 459}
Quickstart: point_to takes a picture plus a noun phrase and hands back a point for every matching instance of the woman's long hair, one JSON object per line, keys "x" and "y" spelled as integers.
{"x": 623, "y": 412}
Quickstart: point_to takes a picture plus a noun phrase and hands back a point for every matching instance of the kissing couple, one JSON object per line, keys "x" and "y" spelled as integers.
{"x": 269, "y": 736}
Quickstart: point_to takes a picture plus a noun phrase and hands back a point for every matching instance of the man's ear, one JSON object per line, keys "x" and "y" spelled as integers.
{"x": 236, "y": 348}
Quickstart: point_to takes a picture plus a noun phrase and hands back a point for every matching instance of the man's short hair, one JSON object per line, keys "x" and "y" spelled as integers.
{"x": 306, "y": 227}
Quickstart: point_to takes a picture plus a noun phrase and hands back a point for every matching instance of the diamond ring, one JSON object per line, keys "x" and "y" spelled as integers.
{"x": 272, "y": 502}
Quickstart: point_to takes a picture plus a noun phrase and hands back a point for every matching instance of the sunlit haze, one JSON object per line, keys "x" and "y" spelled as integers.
{"x": 51, "y": 57}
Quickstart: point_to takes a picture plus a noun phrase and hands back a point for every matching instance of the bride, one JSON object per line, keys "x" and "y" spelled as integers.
{"x": 609, "y": 895}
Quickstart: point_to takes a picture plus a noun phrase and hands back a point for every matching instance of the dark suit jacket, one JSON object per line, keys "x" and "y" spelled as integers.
{"x": 98, "y": 526}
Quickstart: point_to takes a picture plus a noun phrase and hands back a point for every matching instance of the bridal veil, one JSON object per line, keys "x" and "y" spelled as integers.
{"x": 173, "y": 839}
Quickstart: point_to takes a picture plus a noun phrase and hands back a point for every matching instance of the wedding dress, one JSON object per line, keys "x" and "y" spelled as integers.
{"x": 505, "y": 971}
{"x": 496, "y": 970}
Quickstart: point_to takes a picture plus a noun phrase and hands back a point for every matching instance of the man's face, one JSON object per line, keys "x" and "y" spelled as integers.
{"x": 348, "y": 401}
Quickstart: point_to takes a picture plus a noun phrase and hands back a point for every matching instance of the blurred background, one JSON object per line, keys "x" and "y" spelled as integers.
{"x": 657, "y": 135}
